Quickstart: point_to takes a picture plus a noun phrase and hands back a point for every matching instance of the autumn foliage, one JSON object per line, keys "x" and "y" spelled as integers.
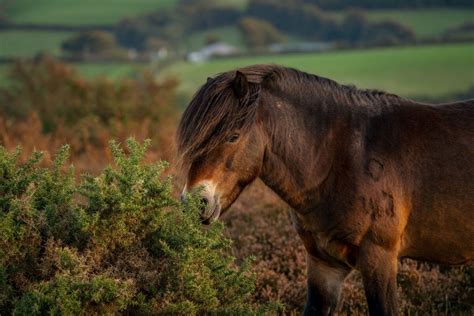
{"x": 47, "y": 104}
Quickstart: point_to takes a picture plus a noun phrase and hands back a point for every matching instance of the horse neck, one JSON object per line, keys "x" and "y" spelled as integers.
{"x": 300, "y": 150}
{"x": 307, "y": 126}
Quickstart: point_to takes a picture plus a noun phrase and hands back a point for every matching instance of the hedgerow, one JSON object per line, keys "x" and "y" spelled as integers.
{"x": 115, "y": 243}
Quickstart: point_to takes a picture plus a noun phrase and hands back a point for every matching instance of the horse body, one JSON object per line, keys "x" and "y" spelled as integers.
{"x": 397, "y": 183}
{"x": 441, "y": 188}
{"x": 370, "y": 176}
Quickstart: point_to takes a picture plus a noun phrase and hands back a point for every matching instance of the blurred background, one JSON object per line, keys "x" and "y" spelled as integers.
{"x": 420, "y": 49}
{"x": 84, "y": 72}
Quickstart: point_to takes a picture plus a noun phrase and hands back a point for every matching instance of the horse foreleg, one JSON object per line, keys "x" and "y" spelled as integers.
{"x": 324, "y": 286}
{"x": 378, "y": 267}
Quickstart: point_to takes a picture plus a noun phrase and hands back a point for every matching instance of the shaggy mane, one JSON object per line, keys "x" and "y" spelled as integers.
{"x": 215, "y": 112}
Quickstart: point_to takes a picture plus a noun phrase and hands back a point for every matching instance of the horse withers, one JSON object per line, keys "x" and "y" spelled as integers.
{"x": 370, "y": 176}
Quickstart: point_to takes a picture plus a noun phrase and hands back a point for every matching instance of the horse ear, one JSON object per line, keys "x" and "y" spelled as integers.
{"x": 240, "y": 85}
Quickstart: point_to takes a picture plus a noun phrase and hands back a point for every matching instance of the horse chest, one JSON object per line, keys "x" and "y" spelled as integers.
{"x": 334, "y": 227}
{"x": 325, "y": 243}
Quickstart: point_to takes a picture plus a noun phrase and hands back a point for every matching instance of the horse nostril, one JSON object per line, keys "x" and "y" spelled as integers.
{"x": 204, "y": 203}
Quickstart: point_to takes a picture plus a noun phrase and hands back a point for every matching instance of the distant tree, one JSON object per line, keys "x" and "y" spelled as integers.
{"x": 201, "y": 3}
{"x": 3, "y": 19}
{"x": 202, "y": 15}
{"x": 304, "y": 19}
{"x": 164, "y": 25}
{"x": 259, "y": 33}
{"x": 463, "y": 32}
{"x": 280, "y": 13}
{"x": 90, "y": 42}
{"x": 388, "y": 33}
{"x": 212, "y": 39}
{"x": 4, "y": 5}
{"x": 393, "y": 4}
{"x": 354, "y": 26}
{"x": 170, "y": 26}
{"x": 155, "y": 43}
{"x": 132, "y": 33}
{"x": 293, "y": 17}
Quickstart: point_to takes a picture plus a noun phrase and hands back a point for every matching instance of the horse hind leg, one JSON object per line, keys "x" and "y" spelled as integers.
{"x": 324, "y": 286}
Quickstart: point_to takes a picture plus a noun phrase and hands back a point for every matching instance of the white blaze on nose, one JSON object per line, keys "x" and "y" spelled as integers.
{"x": 208, "y": 187}
{"x": 185, "y": 190}
{"x": 207, "y": 191}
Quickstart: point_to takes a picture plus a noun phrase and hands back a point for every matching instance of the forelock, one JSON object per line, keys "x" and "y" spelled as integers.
{"x": 212, "y": 115}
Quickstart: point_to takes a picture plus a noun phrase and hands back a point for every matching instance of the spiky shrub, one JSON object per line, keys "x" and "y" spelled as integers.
{"x": 118, "y": 242}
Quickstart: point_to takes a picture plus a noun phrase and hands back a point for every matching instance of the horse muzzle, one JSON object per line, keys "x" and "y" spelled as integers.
{"x": 209, "y": 202}
{"x": 210, "y": 208}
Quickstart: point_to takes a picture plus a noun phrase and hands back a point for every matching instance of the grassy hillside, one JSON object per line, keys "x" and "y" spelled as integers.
{"x": 28, "y": 43}
{"x": 110, "y": 70}
{"x": 412, "y": 71}
{"x": 426, "y": 22}
{"x": 432, "y": 71}
{"x": 75, "y": 12}
{"x": 113, "y": 71}
{"x": 229, "y": 34}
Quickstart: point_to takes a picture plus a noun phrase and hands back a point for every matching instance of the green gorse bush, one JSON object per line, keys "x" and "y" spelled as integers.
{"x": 118, "y": 243}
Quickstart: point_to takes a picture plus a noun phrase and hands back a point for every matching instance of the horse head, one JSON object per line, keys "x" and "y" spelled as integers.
{"x": 220, "y": 143}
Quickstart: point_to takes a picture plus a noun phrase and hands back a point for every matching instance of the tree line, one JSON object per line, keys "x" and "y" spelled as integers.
{"x": 388, "y": 4}
{"x": 261, "y": 22}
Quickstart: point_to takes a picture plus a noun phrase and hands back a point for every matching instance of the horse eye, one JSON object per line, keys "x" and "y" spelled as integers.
{"x": 233, "y": 138}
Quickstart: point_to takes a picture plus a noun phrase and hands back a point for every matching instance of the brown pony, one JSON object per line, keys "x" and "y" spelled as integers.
{"x": 370, "y": 176}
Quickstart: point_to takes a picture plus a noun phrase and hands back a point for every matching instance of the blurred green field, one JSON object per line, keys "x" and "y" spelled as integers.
{"x": 110, "y": 70}
{"x": 82, "y": 12}
{"x": 29, "y": 43}
{"x": 228, "y": 34}
{"x": 426, "y": 22}
{"x": 431, "y": 71}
